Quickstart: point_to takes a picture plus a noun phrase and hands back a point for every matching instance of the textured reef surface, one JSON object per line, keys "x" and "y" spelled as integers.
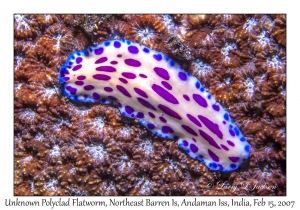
{"x": 66, "y": 147}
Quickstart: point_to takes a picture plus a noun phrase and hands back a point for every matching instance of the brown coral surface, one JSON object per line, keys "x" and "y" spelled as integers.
{"x": 64, "y": 147}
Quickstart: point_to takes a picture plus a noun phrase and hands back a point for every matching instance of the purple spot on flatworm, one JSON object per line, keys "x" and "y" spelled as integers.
{"x": 194, "y": 148}
{"x": 163, "y": 73}
{"x": 209, "y": 139}
{"x": 167, "y": 85}
{"x": 213, "y": 156}
{"x": 117, "y": 44}
{"x": 101, "y": 77}
{"x": 132, "y": 62}
{"x": 216, "y": 107}
{"x": 146, "y": 50}
{"x": 151, "y": 114}
{"x": 224, "y": 147}
{"x": 200, "y": 100}
{"x": 231, "y": 132}
{"x": 150, "y": 125}
{"x": 169, "y": 111}
{"x": 81, "y": 77}
{"x": 78, "y": 60}
{"x": 236, "y": 130}
{"x": 89, "y": 87}
{"x": 71, "y": 89}
{"x": 123, "y": 90}
{"x": 230, "y": 143}
{"x": 167, "y": 129}
{"x": 164, "y": 94}
{"x": 224, "y": 122}
{"x": 189, "y": 130}
{"x": 234, "y": 159}
{"x": 114, "y": 62}
{"x": 143, "y": 75}
{"x": 75, "y": 68}
{"x": 66, "y": 71}
{"x": 101, "y": 60}
{"x": 194, "y": 120}
{"x": 182, "y": 76}
{"x": 194, "y": 140}
{"x": 186, "y": 97}
{"x": 119, "y": 55}
{"x": 185, "y": 143}
{"x": 106, "y": 69}
{"x": 140, "y": 115}
{"x": 129, "y": 109}
{"x": 99, "y": 51}
{"x": 157, "y": 57}
{"x": 123, "y": 80}
{"x": 129, "y": 75}
{"x": 163, "y": 119}
{"x": 133, "y": 49}
{"x": 66, "y": 78}
{"x": 211, "y": 126}
{"x": 140, "y": 92}
{"x": 79, "y": 82}
{"x": 96, "y": 96}
{"x": 108, "y": 89}
{"x": 146, "y": 103}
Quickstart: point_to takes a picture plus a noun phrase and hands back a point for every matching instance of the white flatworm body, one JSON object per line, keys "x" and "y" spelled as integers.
{"x": 151, "y": 87}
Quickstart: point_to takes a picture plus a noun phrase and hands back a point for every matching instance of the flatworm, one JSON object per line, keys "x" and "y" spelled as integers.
{"x": 151, "y": 87}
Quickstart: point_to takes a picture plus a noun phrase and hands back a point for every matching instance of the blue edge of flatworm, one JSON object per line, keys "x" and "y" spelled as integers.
{"x": 112, "y": 102}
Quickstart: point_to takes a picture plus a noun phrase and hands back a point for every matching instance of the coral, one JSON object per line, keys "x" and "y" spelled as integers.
{"x": 145, "y": 29}
{"x": 94, "y": 26}
{"x": 25, "y": 27}
{"x": 197, "y": 20}
{"x": 118, "y": 29}
{"x": 175, "y": 48}
{"x": 70, "y": 148}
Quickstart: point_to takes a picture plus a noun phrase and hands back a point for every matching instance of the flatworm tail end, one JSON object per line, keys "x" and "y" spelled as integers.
{"x": 216, "y": 162}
